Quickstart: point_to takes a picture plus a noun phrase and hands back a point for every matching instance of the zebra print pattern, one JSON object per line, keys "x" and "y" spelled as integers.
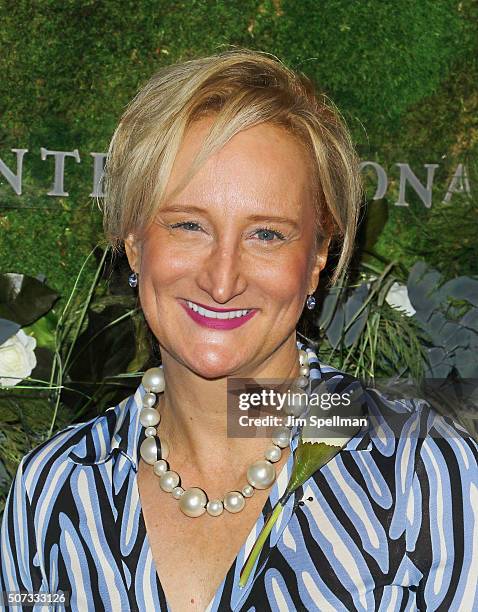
{"x": 389, "y": 524}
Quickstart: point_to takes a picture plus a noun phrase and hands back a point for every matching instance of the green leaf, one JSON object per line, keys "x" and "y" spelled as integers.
{"x": 251, "y": 559}
{"x": 308, "y": 458}
{"x": 24, "y": 299}
{"x": 44, "y": 330}
{"x": 7, "y": 329}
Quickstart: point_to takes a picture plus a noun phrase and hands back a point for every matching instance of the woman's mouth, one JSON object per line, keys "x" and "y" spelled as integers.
{"x": 217, "y": 318}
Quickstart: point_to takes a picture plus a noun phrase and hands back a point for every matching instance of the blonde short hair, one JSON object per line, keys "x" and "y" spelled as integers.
{"x": 242, "y": 88}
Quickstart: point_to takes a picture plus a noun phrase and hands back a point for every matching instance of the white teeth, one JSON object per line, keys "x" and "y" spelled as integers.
{"x": 211, "y": 314}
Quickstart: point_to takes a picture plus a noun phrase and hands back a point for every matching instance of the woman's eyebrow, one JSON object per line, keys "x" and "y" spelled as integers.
{"x": 182, "y": 208}
{"x": 274, "y": 218}
{"x": 200, "y": 210}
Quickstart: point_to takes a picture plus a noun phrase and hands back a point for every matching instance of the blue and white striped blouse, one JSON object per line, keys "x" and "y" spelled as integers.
{"x": 389, "y": 524}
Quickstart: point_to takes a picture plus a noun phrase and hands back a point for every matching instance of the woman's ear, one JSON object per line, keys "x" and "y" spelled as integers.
{"x": 318, "y": 263}
{"x": 133, "y": 252}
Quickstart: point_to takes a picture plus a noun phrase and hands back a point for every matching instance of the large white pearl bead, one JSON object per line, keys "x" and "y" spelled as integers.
{"x": 304, "y": 370}
{"x": 169, "y": 480}
{"x": 261, "y": 474}
{"x": 281, "y": 437}
{"x": 153, "y": 380}
{"x": 234, "y": 501}
{"x": 303, "y": 358}
{"x": 149, "y": 450}
{"x": 149, "y": 417}
{"x": 302, "y": 381}
{"x": 149, "y": 400}
{"x": 193, "y": 502}
{"x": 214, "y": 507}
{"x": 273, "y": 453}
{"x": 297, "y": 404}
{"x": 160, "y": 467}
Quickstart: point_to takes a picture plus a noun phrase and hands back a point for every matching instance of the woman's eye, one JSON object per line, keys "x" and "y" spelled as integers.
{"x": 189, "y": 225}
{"x": 268, "y": 234}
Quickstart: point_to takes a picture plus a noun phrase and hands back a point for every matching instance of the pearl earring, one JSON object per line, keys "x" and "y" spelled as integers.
{"x": 133, "y": 279}
{"x": 310, "y": 302}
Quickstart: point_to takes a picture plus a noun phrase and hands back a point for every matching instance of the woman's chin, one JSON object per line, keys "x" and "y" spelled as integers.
{"x": 212, "y": 371}
{"x": 212, "y": 365}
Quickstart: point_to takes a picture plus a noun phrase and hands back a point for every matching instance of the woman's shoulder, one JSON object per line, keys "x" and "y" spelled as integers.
{"x": 392, "y": 419}
{"x": 412, "y": 441}
{"x": 414, "y": 420}
{"x": 86, "y": 443}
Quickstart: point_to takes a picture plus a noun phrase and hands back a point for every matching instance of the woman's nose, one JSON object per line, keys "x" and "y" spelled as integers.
{"x": 222, "y": 274}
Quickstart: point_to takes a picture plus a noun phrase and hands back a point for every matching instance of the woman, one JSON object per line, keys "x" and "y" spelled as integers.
{"x": 227, "y": 179}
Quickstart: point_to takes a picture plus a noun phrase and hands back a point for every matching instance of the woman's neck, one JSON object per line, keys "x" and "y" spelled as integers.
{"x": 194, "y": 420}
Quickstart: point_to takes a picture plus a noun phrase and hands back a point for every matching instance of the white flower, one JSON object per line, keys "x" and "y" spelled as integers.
{"x": 17, "y": 359}
{"x": 397, "y": 297}
{"x": 333, "y": 418}
{"x": 317, "y": 430}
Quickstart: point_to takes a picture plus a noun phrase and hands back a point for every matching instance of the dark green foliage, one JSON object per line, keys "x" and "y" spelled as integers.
{"x": 448, "y": 312}
{"x": 375, "y": 59}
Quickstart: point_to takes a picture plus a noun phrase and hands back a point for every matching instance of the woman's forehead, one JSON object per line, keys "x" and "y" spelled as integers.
{"x": 259, "y": 164}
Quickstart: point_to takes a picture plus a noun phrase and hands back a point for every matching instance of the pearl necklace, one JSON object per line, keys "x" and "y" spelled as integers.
{"x": 194, "y": 502}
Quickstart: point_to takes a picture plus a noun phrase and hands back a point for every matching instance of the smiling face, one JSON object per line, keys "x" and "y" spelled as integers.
{"x": 240, "y": 236}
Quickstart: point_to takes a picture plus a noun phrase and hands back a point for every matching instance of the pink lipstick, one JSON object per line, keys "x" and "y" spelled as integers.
{"x": 214, "y": 323}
